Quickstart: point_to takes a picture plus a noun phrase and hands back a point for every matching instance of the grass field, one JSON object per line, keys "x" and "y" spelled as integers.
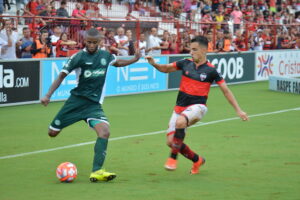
{"x": 259, "y": 159}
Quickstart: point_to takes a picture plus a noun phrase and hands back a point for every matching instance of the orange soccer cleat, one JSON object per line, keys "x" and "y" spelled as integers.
{"x": 171, "y": 164}
{"x": 196, "y": 165}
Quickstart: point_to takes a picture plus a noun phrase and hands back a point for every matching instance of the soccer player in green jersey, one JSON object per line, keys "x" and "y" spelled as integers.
{"x": 91, "y": 66}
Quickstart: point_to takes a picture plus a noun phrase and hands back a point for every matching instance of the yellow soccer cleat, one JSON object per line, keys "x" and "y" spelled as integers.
{"x": 102, "y": 175}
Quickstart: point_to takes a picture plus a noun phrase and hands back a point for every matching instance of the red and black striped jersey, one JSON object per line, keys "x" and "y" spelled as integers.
{"x": 195, "y": 83}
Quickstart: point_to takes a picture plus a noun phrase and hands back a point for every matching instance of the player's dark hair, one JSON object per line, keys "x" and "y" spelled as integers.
{"x": 201, "y": 40}
{"x": 93, "y": 32}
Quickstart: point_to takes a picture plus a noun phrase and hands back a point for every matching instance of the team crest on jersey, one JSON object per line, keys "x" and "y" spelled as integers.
{"x": 203, "y": 76}
{"x": 103, "y": 61}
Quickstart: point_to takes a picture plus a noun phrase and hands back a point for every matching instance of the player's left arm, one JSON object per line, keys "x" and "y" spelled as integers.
{"x": 231, "y": 99}
{"x": 122, "y": 63}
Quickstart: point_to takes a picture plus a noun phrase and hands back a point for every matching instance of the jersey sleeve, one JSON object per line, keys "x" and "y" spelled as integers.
{"x": 71, "y": 64}
{"x": 218, "y": 77}
{"x": 112, "y": 59}
{"x": 178, "y": 65}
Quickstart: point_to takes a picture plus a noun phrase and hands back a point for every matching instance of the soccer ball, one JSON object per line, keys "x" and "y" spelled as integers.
{"x": 66, "y": 172}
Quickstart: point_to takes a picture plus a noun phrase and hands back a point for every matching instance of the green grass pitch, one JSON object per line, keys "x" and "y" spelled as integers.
{"x": 259, "y": 159}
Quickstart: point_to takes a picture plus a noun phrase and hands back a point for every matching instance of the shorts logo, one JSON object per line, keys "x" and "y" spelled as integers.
{"x": 103, "y": 61}
{"x": 57, "y": 122}
{"x": 203, "y": 76}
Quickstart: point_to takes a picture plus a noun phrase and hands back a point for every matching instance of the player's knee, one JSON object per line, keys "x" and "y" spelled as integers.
{"x": 53, "y": 133}
{"x": 181, "y": 122}
{"x": 169, "y": 143}
{"x": 169, "y": 140}
{"x": 106, "y": 134}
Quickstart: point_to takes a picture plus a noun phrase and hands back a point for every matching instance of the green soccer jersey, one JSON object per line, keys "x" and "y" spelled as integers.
{"x": 91, "y": 71}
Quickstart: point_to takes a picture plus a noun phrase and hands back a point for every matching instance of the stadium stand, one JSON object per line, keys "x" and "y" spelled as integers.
{"x": 241, "y": 25}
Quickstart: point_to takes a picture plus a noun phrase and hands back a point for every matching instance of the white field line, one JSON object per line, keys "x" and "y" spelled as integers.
{"x": 144, "y": 134}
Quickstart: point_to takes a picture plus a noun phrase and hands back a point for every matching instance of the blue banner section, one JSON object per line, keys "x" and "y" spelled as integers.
{"x": 136, "y": 78}
{"x": 51, "y": 69}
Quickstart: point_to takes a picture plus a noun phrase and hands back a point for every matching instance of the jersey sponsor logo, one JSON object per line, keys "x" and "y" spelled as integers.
{"x": 203, "y": 76}
{"x": 87, "y": 73}
{"x": 88, "y": 63}
{"x": 95, "y": 73}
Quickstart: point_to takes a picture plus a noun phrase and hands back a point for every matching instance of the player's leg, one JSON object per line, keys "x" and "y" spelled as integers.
{"x": 178, "y": 136}
{"x": 102, "y": 130}
{"x": 175, "y": 139}
{"x": 97, "y": 120}
{"x": 171, "y": 163}
{"x": 193, "y": 114}
{"x": 68, "y": 114}
{"x": 176, "y": 133}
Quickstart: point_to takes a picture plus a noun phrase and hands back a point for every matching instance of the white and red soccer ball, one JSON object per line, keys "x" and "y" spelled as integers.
{"x": 66, "y": 172}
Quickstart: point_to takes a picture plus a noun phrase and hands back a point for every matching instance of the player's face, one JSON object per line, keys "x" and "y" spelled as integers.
{"x": 92, "y": 44}
{"x": 198, "y": 52}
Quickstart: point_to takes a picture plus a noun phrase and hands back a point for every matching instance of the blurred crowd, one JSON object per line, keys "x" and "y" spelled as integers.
{"x": 242, "y": 25}
{"x": 229, "y": 25}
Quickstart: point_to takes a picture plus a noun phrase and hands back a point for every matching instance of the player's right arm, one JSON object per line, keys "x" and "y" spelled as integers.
{"x": 68, "y": 67}
{"x": 46, "y": 99}
{"x": 166, "y": 68}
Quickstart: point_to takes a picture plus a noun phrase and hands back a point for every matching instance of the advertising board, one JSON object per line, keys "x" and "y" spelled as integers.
{"x": 19, "y": 82}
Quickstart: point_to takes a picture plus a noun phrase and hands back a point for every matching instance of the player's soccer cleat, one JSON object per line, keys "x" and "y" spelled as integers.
{"x": 196, "y": 165}
{"x": 171, "y": 164}
{"x": 102, "y": 175}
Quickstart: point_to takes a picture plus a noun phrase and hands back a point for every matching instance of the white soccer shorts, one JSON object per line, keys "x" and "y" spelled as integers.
{"x": 193, "y": 113}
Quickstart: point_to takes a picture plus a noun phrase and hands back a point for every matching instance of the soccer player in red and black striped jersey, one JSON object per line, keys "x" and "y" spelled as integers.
{"x": 197, "y": 76}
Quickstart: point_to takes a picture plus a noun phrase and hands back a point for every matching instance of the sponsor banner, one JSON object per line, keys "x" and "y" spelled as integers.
{"x": 50, "y": 71}
{"x": 277, "y": 63}
{"x": 234, "y": 67}
{"x": 284, "y": 84}
{"x": 19, "y": 81}
{"x": 136, "y": 78}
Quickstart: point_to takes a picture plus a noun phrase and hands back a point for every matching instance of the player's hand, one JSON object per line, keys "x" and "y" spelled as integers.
{"x": 45, "y": 100}
{"x": 243, "y": 116}
{"x": 150, "y": 60}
